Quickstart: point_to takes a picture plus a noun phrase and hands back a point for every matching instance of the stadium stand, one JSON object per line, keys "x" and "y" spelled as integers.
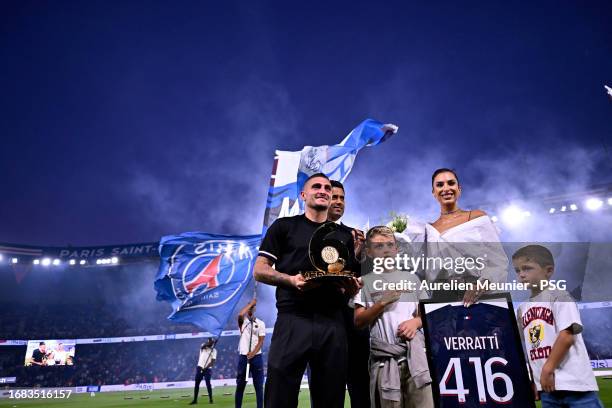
{"x": 123, "y": 363}
{"x": 95, "y": 302}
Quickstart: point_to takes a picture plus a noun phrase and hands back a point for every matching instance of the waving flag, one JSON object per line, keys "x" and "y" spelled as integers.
{"x": 291, "y": 169}
{"x": 204, "y": 275}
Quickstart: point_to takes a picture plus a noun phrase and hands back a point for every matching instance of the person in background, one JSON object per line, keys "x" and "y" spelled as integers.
{"x": 59, "y": 354}
{"x": 252, "y": 334}
{"x": 208, "y": 356}
{"x": 358, "y": 376}
{"x": 39, "y": 356}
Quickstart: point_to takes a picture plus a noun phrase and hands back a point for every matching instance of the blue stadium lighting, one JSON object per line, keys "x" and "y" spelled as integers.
{"x": 563, "y": 209}
{"x": 14, "y": 260}
{"x": 36, "y": 262}
{"x": 46, "y": 262}
{"x": 593, "y": 204}
{"x": 1, "y": 257}
{"x": 552, "y": 210}
{"x": 494, "y": 218}
{"x": 82, "y": 262}
{"x": 56, "y": 262}
{"x": 114, "y": 260}
{"x": 610, "y": 201}
{"x": 72, "y": 262}
{"x": 573, "y": 207}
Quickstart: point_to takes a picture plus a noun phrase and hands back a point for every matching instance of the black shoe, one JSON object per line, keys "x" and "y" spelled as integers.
{"x": 211, "y": 401}
{"x": 193, "y": 402}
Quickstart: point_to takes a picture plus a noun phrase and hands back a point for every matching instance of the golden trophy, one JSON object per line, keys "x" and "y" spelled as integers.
{"x": 329, "y": 253}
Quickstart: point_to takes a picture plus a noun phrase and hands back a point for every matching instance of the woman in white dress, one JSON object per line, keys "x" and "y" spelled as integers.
{"x": 459, "y": 233}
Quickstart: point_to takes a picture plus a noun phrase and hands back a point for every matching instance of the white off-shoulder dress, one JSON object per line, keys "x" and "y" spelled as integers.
{"x": 477, "y": 237}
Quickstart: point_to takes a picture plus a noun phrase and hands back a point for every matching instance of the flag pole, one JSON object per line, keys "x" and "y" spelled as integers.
{"x": 246, "y": 377}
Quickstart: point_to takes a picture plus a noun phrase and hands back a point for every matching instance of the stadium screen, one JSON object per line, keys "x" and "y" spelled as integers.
{"x": 50, "y": 352}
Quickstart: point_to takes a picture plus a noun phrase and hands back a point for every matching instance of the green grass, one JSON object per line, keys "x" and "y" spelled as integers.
{"x": 605, "y": 391}
{"x": 141, "y": 399}
{"x": 181, "y": 398}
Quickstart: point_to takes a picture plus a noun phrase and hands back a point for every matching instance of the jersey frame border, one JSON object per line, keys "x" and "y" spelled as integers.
{"x": 435, "y": 386}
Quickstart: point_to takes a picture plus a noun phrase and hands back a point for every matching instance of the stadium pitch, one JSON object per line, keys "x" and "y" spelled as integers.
{"x": 223, "y": 397}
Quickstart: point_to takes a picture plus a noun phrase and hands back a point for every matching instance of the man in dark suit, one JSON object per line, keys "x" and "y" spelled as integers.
{"x": 358, "y": 378}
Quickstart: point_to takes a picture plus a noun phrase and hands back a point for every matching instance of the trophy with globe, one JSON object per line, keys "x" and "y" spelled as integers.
{"x": 329, "y": 253}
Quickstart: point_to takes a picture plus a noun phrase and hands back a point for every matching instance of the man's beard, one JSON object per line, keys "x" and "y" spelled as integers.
{"x": 319, "y": 207}
{"x": 333, "y": 215}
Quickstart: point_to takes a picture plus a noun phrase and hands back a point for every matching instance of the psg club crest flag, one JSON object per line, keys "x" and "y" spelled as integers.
{"x": 291, "y": 169}
{"x": 204, "y": 275}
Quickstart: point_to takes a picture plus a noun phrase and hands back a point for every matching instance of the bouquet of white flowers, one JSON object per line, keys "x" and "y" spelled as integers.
{"x": 398, "y": 222}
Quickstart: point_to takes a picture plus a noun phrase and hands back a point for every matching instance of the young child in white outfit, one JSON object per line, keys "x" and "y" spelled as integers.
{"x": 399, "y": 376}
{"x": 551, "y": 329}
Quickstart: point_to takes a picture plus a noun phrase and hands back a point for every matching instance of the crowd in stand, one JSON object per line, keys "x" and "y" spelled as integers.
{"x": 123, "y": 363}
{"x": 113, "y": 307}
{"x": 175, "y": 360}
{"x": 597, "y": 328}
{"x": 84, "y": 321}
{"x": 100, "y": 303}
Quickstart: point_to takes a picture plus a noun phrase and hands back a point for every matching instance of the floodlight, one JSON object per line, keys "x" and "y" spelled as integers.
{"x": 513, "y": 215}
{"x": 593, "y": 204}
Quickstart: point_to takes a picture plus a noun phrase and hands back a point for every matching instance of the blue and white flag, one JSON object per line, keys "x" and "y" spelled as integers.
{"x": 204, "y": 275}
{"x": 291, "y": 169}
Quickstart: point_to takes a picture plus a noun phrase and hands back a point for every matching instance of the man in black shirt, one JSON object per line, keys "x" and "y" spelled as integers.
{"x": 358, "y": 375}
{"x": 310, "y": 326}
{"x": 39, "y": 356}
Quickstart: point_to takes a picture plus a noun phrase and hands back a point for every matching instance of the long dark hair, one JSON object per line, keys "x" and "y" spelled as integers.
{"x": 443, "y": 170}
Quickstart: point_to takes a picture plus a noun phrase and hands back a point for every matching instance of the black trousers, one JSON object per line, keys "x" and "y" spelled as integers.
{"x": 318, "y": 340}
{"x": 358, "y": 379}
{"x": 205, "y": 374}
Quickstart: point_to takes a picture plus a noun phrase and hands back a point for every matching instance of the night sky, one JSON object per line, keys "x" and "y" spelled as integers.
{"x": 123, "y": 121}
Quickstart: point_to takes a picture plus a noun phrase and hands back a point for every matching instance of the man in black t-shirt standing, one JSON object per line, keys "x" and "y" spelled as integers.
{"x": 309, "y": 327}
{"x": 39, "y": 356}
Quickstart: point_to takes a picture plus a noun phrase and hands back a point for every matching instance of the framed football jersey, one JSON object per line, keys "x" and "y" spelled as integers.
{"x": 475, "y": 354}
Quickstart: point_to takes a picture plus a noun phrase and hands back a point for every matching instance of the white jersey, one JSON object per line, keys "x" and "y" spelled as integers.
{"x": 385, "y": 326}
{"x": 250, "y": 331}
{"x": 207, "y": 355}
{"x": 541, "y": 319}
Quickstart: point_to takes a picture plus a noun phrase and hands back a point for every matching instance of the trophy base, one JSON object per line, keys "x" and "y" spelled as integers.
{"x": 327, "y": 276}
